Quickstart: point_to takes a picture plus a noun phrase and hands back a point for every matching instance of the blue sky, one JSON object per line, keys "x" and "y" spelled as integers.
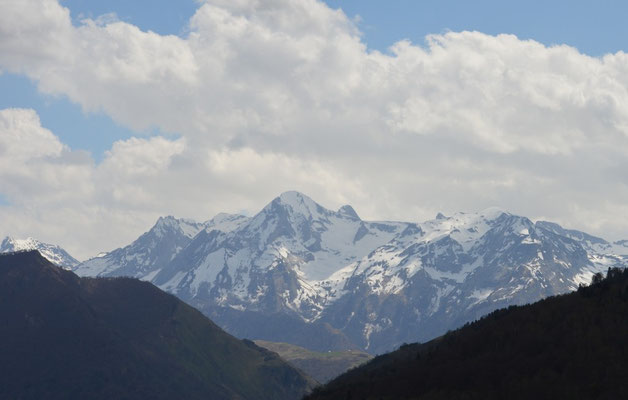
{"x": 595, "y": 28}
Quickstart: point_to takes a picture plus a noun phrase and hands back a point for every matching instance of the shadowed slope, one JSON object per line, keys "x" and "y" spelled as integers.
{"x": 69, "y": 337}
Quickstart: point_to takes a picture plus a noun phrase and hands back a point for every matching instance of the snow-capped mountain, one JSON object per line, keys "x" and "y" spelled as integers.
{"x": 456, "y": 270}
{"x": 274, "y": 262}
{"x": 296, "y": 265}
{"x": 601, "y": 253}
{"x": 154, "y": 249}
{"x": 52, "y": 253}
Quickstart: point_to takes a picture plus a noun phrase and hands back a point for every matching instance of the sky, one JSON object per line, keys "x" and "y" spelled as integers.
{"x": 115, "y": 113}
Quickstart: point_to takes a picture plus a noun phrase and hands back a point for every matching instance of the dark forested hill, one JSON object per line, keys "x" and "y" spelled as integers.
{"x": 65, "y": 337}
{"x": 573, "y": 346}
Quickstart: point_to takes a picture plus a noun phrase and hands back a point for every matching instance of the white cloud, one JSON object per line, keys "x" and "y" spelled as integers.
{"x": 57, "y": 193}
{"x": 274, "y": 95}
{"x": 23, "y": 139}
{"x": 31, "y": 157}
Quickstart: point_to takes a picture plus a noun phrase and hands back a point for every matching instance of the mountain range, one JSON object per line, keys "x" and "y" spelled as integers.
{"x": 299, "y": 273}
{"x": 65, "y": 337}
{"x": 572, "y": 346}
{"x": 297, "y": 267}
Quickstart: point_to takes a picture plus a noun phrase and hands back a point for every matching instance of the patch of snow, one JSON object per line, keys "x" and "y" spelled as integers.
{"x": 480, "y": 295}
{"x": 172, "y": 285}
{"x": 150, "y": 276}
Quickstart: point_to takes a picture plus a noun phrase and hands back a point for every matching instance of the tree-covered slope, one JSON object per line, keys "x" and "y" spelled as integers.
{"x": 76, "y": 338}
{"x": 573, "y": 346}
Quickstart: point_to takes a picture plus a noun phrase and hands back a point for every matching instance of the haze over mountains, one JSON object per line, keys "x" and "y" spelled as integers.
{"x": 297, "y": 272}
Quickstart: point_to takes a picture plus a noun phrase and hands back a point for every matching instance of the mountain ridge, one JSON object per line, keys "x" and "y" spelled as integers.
{"x": 378, "y": 283}
{"x": 53, "y": 253}
{"x": 571, "y": 346}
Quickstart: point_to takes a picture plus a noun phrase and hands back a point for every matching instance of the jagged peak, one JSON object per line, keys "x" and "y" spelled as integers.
{"x": 23, "y": 244}
{"x": 292, "y": 197}
{"x": 298, "y": 203}
{"x": 52, "y": 252}
{"x": 349, "y": 212}
{"x": 440, "y": 215}
{"x": 163, "y": 224}
{"x": 165, "y": 220}
{"x": 169, "y": 223}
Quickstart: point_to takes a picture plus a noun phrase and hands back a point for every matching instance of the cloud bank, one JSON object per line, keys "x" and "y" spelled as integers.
{"x": 267, "y": 96}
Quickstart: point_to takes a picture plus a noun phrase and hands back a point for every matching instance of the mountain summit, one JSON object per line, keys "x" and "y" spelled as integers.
{"x": 53, "y": 253}
{"x": 297, "y": 266}
{"x": 154, "y": 249}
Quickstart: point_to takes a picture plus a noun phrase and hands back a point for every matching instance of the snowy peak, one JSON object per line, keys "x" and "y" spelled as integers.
{"x": 578, "y": 236}
{"x": 153, "y": 250}
{"x": 187, "y": 227}
{"x": 296, "y": 209}
{"x": 603, "y": 254}
{"x": 380, "y": 283}
{"x": 454, "y": 270}
{"x": 349, "y": 212}
{"x": 297, "y": 203}
{"x": 274, "y": 259}
{"x": 465, "y": 228}
{"x": 52, "y": 253}
{"x": 11, "y": 244}
{"x": 225, "y": 222}
{"x": 148, "y": 254}
{"x": 291, "y": 216}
